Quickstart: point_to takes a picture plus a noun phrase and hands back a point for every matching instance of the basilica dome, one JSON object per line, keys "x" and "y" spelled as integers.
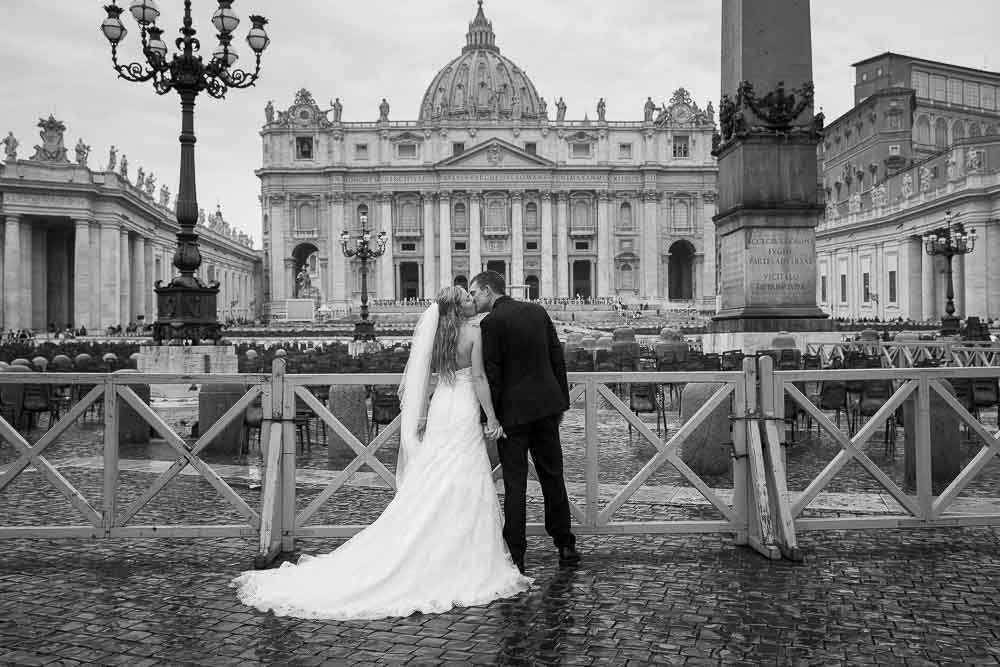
{"x": 481, "y": 83}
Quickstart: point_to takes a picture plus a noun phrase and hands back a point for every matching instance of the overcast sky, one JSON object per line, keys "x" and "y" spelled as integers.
{"x": 55, "y": 60}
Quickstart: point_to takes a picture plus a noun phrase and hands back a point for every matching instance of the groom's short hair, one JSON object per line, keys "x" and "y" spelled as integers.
{"x": 491, "y": 279}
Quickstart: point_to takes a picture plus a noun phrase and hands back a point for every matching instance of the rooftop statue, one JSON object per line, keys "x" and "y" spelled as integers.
{"x": 52, "y": 148}
{"x": 10, "y": 144}
{"x": 112, "y": 158}
{"x": 82, "y": 153}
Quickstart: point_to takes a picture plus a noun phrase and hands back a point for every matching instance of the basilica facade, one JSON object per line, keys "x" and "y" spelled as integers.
{"x": 485, "y": 178}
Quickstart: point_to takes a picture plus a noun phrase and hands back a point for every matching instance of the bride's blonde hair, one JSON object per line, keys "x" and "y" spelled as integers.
{"x": 450, "y": 319}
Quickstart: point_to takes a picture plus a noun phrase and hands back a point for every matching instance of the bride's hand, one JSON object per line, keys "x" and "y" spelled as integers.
{"x": 421, "y": 427}
{"x": 493, "y": 429}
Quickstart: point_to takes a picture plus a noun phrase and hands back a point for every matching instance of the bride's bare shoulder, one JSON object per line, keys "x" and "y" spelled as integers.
{"x": 475, "y": 320}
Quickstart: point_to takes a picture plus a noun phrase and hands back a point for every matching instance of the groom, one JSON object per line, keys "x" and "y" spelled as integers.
{"x": 527, "y": 376}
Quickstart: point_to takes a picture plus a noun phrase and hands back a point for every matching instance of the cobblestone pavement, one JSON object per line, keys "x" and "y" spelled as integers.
{"x": 889, "y": 597}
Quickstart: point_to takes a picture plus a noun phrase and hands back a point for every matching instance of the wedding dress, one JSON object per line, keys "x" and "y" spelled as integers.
{"x": 437, "y": 545}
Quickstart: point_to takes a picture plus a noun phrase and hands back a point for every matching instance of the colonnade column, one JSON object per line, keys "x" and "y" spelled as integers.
{"x": 562, "y": 245}
{"x": 140, "y": 288}
{"x": 337, "y": 290}
{"x": 111, "y": 287}
{"x": 910, "y": 272}
{"x": 429, "y": 274}
{"x": 82, "y": 271}
{"x": 26, "y": 265}
{"x": 12, "y": 302}
{"x": 546, "y": 287}
{"x": 604, "y": 243}
{"x": 387, "y": 268}
{"x": 650, "y": 245}
{"x": 37, "y": 274}
{"x": 516, "y": 238}
{"x": 279, "y": 223}
{"x": 475, "y": 234}
{"x": 927, "y": 287}
{"x": 708, "y": 270}
{"x": 958, "y": 276}
{"x": 990, "y": 246}
{"x": 444, "y": 249}
{"x": 125, "y": 295}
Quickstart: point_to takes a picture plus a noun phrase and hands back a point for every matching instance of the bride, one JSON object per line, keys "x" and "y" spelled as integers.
{"x": 439, "y": 542}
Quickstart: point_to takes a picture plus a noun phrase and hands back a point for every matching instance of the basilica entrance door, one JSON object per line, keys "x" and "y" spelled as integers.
{"x": 581, "y": 279}
{"x": 409, "y": 280}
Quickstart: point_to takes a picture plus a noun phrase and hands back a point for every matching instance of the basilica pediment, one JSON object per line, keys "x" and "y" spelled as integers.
{"x": 495, "y": 154}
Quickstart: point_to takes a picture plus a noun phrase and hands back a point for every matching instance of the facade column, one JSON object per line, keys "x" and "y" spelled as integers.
{"x": 140, "y": 288}
{"x": 908, "y": 280}
{"x": 335, "y": 276}
{"x": 125, "y": 295}
{"x": 708, "y": 267}
{"x": 990, "y": 246}
{"x": 279, "y": 225}
{"x": 430, "y": 276}
{"x": 958, "y": 276}
{"x": 83, "y": 269}
{"x": 111, "y": 287}
{"x": 13, "y": 316}
{"x": 929, "y": 309}
{"x": 605, "y": 251}
{"x": 562, "y": 244}
{"x": 26, "y": 269}
{"x": 650, "y": 245}
{"x": 547, "y": 286}
{"x": 444, "y": 230}
{"x": 475, "y": 233}
{"x": 386, "y": 281}
{"x": 37, "y": 278}
{"x": 516, "y": 237}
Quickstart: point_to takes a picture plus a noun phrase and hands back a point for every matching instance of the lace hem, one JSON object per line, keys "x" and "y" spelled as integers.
{"x": 247, "y": 593}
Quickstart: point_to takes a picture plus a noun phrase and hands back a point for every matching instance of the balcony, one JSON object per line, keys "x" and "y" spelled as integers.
{"x": 408, "y": 232}
{"x": 496, "y": 231}
{"x": 582, "y": 231}
{"x": 306, "y": 234}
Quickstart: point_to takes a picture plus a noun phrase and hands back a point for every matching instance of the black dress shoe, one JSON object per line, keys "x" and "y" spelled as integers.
{"x": 568, "y": 557}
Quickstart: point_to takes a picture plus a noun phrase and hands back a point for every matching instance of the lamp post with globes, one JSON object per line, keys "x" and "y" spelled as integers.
{"x": 947, "y": 241}
{"x": 186, "y": 308}
{"x": 363, "y": 250}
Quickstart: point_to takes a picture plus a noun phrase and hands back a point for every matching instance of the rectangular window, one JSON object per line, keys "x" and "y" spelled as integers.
{"x": 822, "y": 289}
{"x": 407, "y": 150}
{"x": 866, "y": 286}
{"x": 581, "y": 150}
{"x": 921, "y": 83}
{"x": 939, "y": 88}
{"x": 529, "y": 147}
{"x": 460, "y": 245}
{"x": 408, "y": 247}
{"x": 624, "y": 151}
{"x": 892, "y": 287}
{"x": 843, "y": 288}
{"x": 582, "y": 245}
{"x": 361, "y": 151}
{"x": 894, "y": 149}
{"x": 532, "y": 245}
{"x": 303, "y": 148}
{"x": 988, "y": 97}
{"x": 954, "y": 91}
{"x": 681, "y": 147}
{"x": 457, "y": 148}
{"x": 972, "y": 94}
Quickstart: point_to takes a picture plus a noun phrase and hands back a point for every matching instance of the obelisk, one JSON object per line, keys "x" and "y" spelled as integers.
{"x": 767, "y": 203}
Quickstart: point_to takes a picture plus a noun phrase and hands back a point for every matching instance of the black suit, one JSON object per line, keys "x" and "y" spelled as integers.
{"x": 526, "y": 371}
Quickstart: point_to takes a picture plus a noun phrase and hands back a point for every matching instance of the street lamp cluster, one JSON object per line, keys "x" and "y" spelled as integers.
{"x": 365, "y": 252}
{"x": 947, "y": 241}
{"x": 186, "y": 308}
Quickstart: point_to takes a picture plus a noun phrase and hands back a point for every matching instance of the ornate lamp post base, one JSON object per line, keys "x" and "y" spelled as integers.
{"x": 186, "y": 313}
{"x": 364, "y": 330}
{"x": 950, "y": 325}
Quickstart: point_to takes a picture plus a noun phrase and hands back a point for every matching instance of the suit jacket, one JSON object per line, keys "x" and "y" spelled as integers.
{"x": 524, "y": 363}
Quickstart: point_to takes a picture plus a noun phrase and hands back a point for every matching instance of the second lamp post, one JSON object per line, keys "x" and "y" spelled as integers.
{"x": 365, "y": 252}
{"x": 947, "y": 241}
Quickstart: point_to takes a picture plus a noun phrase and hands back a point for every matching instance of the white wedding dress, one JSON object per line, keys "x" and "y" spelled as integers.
{"x": 437, "y": 545}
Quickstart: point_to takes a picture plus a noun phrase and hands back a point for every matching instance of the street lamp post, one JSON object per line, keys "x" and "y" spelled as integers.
{"x": 947, "y": 241}
{"x": 186, "y": 308}
{"x": 363, "y": 329}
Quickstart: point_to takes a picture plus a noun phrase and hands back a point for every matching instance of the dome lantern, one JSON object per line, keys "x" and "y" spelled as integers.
{"x": 480, "y": 35}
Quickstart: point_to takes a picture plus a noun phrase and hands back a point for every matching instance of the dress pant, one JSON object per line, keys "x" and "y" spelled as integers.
{"x": 541, "y": 438}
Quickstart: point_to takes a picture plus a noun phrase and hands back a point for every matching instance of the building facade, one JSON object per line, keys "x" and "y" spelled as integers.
{"x": 919, "y": 148}
{"x": 86, "y": 246}
{"x": 485, "y": 179}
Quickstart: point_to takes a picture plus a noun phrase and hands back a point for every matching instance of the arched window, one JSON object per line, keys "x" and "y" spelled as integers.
{"x": 627, "y": 277}
{"x": 681, "y": 217}
{"x": 957, "y": 130}
{"x": 625, "y": 216}
{"x": 496, "y": 219}
{"x": 940, "y": 133}
{"x": 973, "y": 129}
{"x": 362, "y": 214}
{"x": 460, "y": 219}
{"x": 581, "y": 215}
{"x": 531, "y": 217}
{"x": 923, "y": 130}
{"x": 307, "y": 218}
{"x": 408, "y": 217}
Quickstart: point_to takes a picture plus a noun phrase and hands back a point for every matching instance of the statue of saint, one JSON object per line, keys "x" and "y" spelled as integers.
{"x": 338, "y": 110}
{"x": 601, "y": 109}
{"x": 304, "y": 282}
{"x": 82, "y": 153}
{"x": 710, "y": 112}
{"x": 140, "y": 179}
{"x": 560, "y": 110}
{"x": 123, "y": 171}
{"x": 269, "y": 112}
{"x": 543, "y": 107}
{"x": 383, "y": 110}
{"x": 648, "y": 109}
{"x": 164, "y": 195}
{"x": 112, "y": 158}
{"x": 201, "y": 217}
{"x": 150, "y": 185}
{"x": 10, "y": 144}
